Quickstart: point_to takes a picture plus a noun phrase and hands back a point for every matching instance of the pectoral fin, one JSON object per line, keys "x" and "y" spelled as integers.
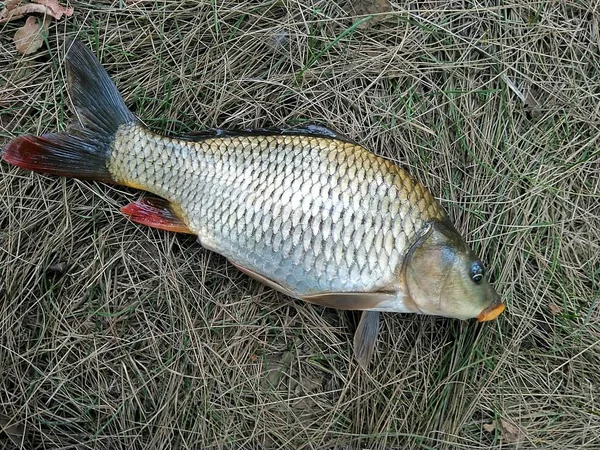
{"x": 365, "y": 337}
{"x": 350, "y": 300}
{"x": 338, "y": 300}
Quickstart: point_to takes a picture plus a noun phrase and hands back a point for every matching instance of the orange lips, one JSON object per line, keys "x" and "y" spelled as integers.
{"x": 491, "y": 313}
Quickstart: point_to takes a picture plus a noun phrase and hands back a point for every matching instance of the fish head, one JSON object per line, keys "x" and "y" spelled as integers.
{"x": 443, "y": 277}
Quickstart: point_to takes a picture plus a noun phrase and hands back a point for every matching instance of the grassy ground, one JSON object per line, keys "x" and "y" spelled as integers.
{"x": 114, "y": 335}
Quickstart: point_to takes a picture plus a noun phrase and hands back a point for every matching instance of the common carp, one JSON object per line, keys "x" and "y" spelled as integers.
{"x": 306, "y": 211}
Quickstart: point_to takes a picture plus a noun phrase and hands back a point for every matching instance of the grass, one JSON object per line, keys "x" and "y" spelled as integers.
{"x": 118, "y": 336}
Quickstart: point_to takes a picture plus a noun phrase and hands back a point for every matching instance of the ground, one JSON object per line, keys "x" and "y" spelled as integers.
{"x": 113, "y": 335}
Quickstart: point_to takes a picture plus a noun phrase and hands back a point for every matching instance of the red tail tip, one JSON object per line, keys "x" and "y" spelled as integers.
{"x": 59, "y": 154}
{"x": 16, "y": 151}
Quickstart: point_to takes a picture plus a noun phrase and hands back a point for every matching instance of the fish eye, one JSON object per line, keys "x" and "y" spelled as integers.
{"x": 477, "y": 272}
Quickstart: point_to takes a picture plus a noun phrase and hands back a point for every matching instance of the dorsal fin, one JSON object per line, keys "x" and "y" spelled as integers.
{"x": 304, "y": 130}
{"x": 201, "y": 135}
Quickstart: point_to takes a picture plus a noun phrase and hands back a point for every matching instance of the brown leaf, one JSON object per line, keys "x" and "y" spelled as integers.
{"x": 47, "y": 7}
{"x": 511, "y": 432}
{"x": 554, "y": 309}
{"x": 364, "y": 7}
{"x": 489, "y": 427}
{"x": 28, "y": 39}
{"x": 11, "y": 4}
{"x": 55, "y": 8}
{"x": 367, "y": 7}
{"x": 20, "y": 11}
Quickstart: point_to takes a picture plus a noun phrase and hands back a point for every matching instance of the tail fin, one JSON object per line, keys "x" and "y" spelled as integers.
{"x": 82, "y": 151}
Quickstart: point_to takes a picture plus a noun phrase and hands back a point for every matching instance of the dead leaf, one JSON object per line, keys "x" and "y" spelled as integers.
{"x": 511, "y": 432}
{"x": 489, "y": 427}
{"x": 11, "y": 4}
{"x": 20, "y": 11}
{"x": 28, "y": 39}
{"x": 46, "y": 7}
{"x": 367, "y": 7}
{"x": 554, "y": 309}
{"x": 364, "y": 7}
{"x": 56, "y": 9}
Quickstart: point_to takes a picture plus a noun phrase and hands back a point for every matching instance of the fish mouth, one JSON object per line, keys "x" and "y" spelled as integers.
{"x": 491, "y": 312}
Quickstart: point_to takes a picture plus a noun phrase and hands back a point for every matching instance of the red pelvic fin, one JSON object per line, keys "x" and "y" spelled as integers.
{"x": 156, "y": 213}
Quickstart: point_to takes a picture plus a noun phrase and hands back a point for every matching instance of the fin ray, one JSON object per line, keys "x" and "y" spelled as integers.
{"x": 96, "y": 99}
{"x": 305, "y": 130}
{"x": 59, "y": 154}
{"x": 349, "y": 300}
{"x": 156, "y": 213}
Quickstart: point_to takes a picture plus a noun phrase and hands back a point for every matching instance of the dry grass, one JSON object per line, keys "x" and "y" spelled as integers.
{"x": 149, "y": 341}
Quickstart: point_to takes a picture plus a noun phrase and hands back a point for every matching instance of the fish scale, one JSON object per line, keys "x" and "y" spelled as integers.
{"x": 312, "y": 213}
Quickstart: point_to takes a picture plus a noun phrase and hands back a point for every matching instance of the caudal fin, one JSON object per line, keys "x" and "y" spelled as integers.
{"x": 82, "y": 151}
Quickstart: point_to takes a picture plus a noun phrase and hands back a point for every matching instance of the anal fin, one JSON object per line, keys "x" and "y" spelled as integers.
{"x": 156, "y": 213}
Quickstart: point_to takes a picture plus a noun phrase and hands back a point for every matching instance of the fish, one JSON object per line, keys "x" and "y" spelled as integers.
{"x": 307, "y": 211}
